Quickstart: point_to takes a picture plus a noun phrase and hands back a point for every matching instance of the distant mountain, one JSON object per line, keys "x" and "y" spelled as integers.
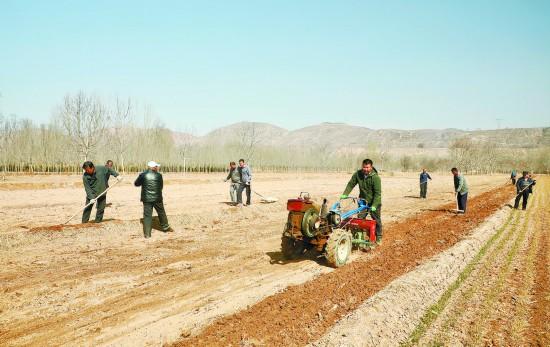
{"x": 267, "y": 134}
{"x": 337, "y": 135}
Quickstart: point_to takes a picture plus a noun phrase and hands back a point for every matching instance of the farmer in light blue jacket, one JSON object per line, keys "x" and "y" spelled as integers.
{"x": 246, "y": 178}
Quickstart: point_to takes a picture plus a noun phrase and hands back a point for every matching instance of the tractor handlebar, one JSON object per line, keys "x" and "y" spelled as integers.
{"x": 355, "y": 199}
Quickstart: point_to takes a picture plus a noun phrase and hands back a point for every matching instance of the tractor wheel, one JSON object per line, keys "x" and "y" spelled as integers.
{"x": 338, "y": 248}
{"x": 291, "y": 247}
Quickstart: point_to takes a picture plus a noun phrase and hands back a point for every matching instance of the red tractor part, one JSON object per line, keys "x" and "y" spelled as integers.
{"x": 362, "y": 224}
{"x": 299, "y": 205}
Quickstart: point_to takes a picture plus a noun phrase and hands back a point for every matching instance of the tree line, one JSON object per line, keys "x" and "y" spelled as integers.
{"x": 85, "y": 127}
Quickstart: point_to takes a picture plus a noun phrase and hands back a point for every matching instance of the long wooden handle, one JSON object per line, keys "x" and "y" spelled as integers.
{"x": 521, "y": 191}
{"x": 92, "y": 202}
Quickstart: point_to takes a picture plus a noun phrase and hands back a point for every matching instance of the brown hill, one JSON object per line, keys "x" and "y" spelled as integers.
{"x": 337, "y": 135}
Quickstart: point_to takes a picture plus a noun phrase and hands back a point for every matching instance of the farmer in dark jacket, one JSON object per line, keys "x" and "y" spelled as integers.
{"x": 370, "y": 189}
{"x": 424, "y": 177}
{"x": 151, "y": 184}
{"x": 246, "y": 178}
{"x": 523, "y": 189}
{"x": 109, "y": 165}
{"x": 530, "y": 176}
{"x": 95, "y": 183}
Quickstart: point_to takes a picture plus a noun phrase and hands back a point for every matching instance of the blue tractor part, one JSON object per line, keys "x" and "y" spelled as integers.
{"x": 336, "y": 215}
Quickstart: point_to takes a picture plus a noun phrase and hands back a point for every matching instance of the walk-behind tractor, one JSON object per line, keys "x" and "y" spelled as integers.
{"x": 332, "y": 232}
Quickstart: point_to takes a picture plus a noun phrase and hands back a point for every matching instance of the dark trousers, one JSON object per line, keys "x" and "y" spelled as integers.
{"x": 423, "y": 189}
{"x": 240, "y": 193}
{"x": 100, "y": 206}
{"x": 375, "y": 216}
{"x": 148, "y": 217}
{"x": 462, "y": 199}
{"x": 514, "y": 181}
{"x": 525, "y": 196}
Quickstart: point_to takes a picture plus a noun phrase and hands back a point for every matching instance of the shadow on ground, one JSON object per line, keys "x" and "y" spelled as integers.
{"x": 155, "y": 225}
{"x": 279, "y": 259}
{"x": 230, "y": 203}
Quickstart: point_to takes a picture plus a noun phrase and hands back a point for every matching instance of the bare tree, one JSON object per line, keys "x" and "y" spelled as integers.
{"x": 84, "y": 119}
{"x": 249, "y": 136}
{"x": 185, "y": 141}
{"x": 7, "y": 133}
{"x": 406, "y": 163}
{"x": 122, "y": 129}
{"x": 462, "y": 153}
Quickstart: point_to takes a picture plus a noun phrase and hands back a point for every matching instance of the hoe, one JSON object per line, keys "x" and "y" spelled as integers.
{"x": 333, "y": 232}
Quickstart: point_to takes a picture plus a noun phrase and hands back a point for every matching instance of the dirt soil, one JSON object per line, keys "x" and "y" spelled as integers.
{"x": 506, "y": 299}
{"x": 302, "y": 314}
{"x": 393, "y": 313}
{"x": 106, "y": 285}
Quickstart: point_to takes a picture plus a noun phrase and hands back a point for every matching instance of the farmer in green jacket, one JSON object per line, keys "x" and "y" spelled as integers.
{"x": 370, "y": 189}
{"x": 461, "y": 190}
{"x": 151, "y": 184}
{"x": 95, "y": 183}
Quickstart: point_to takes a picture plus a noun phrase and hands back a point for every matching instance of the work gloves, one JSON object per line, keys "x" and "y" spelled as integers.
{"x": 92, "y": 201}
{"x": 373, "y": 209}
{"x": 119, "y": 178}
{"x": 343, "y": 196}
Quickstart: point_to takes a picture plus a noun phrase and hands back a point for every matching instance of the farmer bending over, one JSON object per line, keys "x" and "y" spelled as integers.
{"x": 524, "y": 187}
{"x": 95, "y": 183}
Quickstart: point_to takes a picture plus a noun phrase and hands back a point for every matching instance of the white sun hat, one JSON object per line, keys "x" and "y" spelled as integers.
{"x": 153, "y": 164}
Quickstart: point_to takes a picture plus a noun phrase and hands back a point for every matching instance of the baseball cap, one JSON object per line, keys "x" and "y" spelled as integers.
{"x": 153, "y": 164}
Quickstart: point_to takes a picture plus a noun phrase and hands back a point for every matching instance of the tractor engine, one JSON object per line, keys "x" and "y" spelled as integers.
{"x": 303, "y": 216}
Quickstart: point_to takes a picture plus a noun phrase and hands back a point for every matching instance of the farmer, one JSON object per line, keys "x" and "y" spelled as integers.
{"x": 424, "y": 177}
{"x": 523, "y": 189}
{"x": 513, "y": 176}
{"x": 151, "y": 184}
{"x": 95, "y": 183}
{"x": 531, "y": 186}
{"x": 109, "y": 165}
{"x": 245, "y": 176}
{"x": 370, "y": 189}
{"x": 461, "y": 190}
{"x": 235, "y": 178}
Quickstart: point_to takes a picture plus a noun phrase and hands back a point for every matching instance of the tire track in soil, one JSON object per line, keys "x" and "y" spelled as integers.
{"x": 539, "y": 330}
{"x": 303, "y": 313}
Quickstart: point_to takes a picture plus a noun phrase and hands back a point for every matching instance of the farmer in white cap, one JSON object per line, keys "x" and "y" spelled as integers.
{"x": 151, "y": 184}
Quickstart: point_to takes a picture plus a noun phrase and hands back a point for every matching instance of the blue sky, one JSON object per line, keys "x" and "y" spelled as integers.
{"x": 203, "y": 64}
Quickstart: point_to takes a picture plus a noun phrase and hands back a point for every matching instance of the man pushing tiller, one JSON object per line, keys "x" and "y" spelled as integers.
{"x": 370, "y": 189}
